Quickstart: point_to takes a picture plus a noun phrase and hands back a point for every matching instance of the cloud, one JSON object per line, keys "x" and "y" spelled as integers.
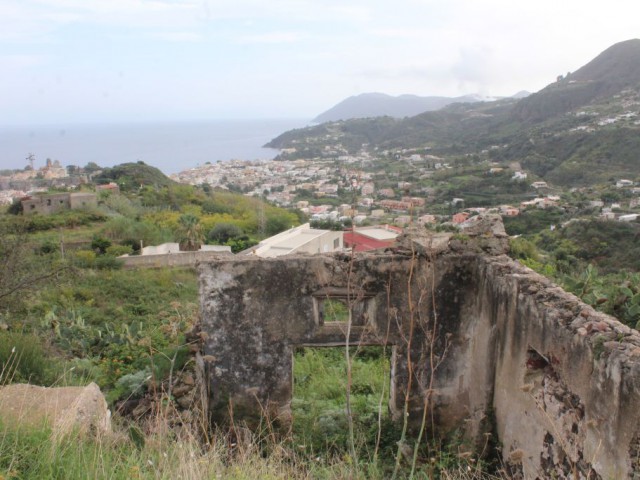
{"x": 17, "y": 61}
{"x": 270, "y": 38}
{"x": 178, "y": 36}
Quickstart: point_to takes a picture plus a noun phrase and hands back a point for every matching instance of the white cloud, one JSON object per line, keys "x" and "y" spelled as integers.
{"x": 270, "y": 38}
{"x": 178, "y": 36}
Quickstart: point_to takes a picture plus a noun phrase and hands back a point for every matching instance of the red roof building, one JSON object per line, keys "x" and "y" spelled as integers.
{"x": 371, "y": 238}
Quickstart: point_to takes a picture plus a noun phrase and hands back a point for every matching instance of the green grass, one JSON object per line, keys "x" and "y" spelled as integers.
{"x": 112, "y": 323}
{"x": 319, "y": 402}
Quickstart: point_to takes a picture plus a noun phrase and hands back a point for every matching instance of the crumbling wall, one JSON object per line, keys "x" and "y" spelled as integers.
{"x": 255, "y": 312}
{"x": 492, "y": 346}
{"x": 567, "y": 378}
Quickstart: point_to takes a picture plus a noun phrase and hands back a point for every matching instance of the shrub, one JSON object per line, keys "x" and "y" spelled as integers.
{"x": 118, "y": 250}
{"x": 108, "y": 262}
{"x": 100, "y": 244}
{"x": 22, "y": 359}
{"x": 84, "y": 258}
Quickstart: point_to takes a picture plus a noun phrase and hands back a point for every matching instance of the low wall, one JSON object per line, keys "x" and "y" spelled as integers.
{"x": 183, "y": 259}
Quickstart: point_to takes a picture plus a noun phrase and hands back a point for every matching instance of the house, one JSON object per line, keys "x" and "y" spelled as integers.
{"x": 424, "y": 219}
{"x": 302, "y": 239}
{"x": 624, "y": 183}
{"x": 632, "y": 217}
{"x": 509, "y": 211}
{"x": 537, "y": 185}
{"x": 402, "y": 220}
{"x": 460, "y": 217}
{"x": 109, "y": 187}
{"x": 414, "y": 201}
{"x": 395, "y": 205}
{"x": 368, "y": 188}
{"x": 371, "y": 238}
{"x": 56, "y": 202}
{"x": 519, "y": 176}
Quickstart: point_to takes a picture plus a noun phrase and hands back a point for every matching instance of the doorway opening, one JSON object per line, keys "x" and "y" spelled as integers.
{"x": 319, "y": 403}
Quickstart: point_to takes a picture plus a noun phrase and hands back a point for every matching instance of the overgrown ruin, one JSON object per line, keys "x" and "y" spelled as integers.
{"x": 485, "y": 344}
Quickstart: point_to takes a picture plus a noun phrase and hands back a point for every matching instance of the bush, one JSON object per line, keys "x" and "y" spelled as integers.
{"x": 100, "y": 244}
{"x": 84, "y": 258}
{"x": 119, "y": 250}
{"x": 23, "y": 359}
{"x": 107, "y": 262}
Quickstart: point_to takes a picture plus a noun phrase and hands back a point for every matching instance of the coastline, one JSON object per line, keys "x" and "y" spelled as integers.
{"x": 168, "y": 145}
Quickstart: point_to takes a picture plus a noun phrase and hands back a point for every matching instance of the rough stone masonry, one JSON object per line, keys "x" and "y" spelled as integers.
{"x": 484, "y": 343}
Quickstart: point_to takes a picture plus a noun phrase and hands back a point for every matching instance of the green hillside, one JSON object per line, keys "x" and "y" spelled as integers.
{"x": 579, "y": 130}
{"x": 133, "y": 175}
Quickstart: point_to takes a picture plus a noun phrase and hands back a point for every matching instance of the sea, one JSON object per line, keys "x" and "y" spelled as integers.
{"x": 169, "y": 146}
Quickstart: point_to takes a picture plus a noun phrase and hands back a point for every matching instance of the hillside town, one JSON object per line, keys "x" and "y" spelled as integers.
{"x": 316, "y": 187}
{"x": 346, "y": 189}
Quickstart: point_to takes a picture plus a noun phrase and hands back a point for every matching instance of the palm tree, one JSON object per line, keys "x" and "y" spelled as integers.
{"x": 190, "y": 235}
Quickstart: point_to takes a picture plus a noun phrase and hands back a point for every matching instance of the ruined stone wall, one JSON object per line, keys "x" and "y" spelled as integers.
{"x": 494, "y": 348}
{"x": 256, "y": 312}
{"x": 567, "y": 378}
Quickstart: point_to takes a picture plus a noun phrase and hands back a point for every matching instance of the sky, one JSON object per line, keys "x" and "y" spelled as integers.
{"x": 139, "y": 60}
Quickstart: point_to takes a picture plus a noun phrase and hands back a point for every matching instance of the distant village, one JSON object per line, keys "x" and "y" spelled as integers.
{"x": 336, "y": 187}
{"x": 281, "y": 182}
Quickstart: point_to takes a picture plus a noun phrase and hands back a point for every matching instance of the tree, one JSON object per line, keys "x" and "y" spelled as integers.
{"x": 190, "y": 235}
{"x": 92, "y": 167}
{"x": 223, "y": 232}
{"x": 100, "y": 244}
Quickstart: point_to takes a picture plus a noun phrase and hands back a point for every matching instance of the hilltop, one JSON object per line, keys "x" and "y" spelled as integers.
{"x": 133, "y": 175}
{"x": 369, "y": 105}
{"x": 579, "y": 130}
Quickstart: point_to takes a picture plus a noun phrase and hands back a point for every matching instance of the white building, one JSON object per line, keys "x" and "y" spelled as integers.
{"x": 624, "y": 183}
{"x": 302, "y": 239}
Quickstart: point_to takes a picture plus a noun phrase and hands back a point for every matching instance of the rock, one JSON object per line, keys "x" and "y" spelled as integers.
{"x": 66, "y": 409}
{"x": 186, "y": 401}
{"x": 188, "y": 379}
{"x": 181, "y": 390}
{"x": 489, "y": 224}
{"x": 142, "y": 409}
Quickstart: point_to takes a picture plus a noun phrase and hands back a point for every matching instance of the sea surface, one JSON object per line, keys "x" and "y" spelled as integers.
{"x": 169, "y": 146}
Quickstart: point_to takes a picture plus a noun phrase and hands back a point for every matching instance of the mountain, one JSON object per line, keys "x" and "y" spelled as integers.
{"x": 368, "y": 105}
{"x": 615, "y": 69}
{"x": 581, "y": 129}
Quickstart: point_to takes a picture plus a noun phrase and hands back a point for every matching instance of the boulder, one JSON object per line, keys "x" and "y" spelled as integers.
{"x": 64, "y": 409}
